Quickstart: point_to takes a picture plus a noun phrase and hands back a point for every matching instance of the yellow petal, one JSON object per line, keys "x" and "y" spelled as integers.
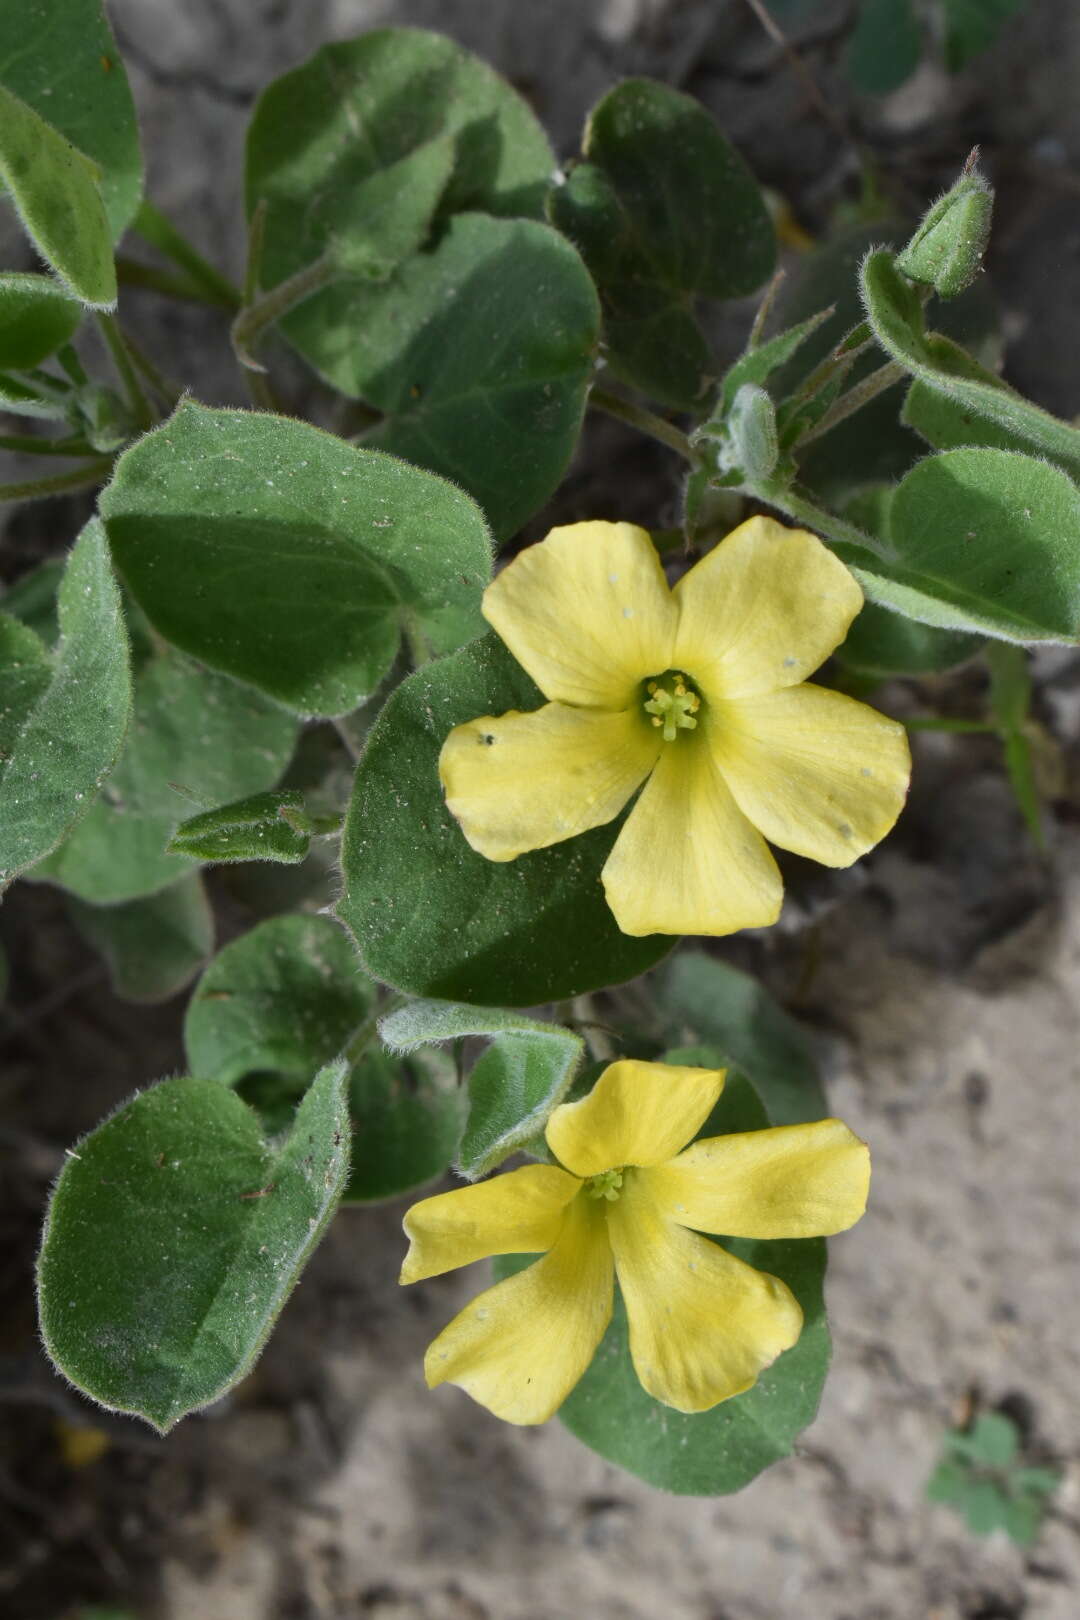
{"x": 816, "y": 772}
{"x": 763, "y": 610}
{"x": 637, "y": 1113}
{"x": 794, "y": 1181}
{"x": 519, "y": 1213}
{"x": 587, "y": 612}
{"x": 688, "y": 861}
{"x": 523, "y": 781}
{"x": 520, "y": 1348}
{"x": 703, "y": 1325}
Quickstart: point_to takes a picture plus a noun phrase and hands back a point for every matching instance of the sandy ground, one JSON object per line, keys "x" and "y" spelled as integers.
{"x": 945, "y": 1004}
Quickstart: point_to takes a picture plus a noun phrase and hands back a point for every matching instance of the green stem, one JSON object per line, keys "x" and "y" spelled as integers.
{"x": 141, "y": 409}
{"x": 161, "y": 385}
{"x": 886, "y": 376}
{"x": 362, "y": 1037}
{"x": 59, "y": 483}
{"x": 27, "y": 444}
{"x": 846, "y": 351}
{"x": 644, "y": 420}
{"x": 58, "y": 387}
{"x": 764, "y": 309}
{"x": 130, "y": 273}
{"x": 251, "y": 322}
{"x": 794, "y": 504}
{"x": 253, "y": 266}
{"x": 154, "y": 228}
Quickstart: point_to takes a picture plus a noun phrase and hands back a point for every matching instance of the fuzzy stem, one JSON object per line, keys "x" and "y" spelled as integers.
{"x": 141, "y": 408}
{"x": 58, "y": 483}
{"x": 154, "y": 228}
{"x": 854, "y": 400}
{"x": 644, "y": 420}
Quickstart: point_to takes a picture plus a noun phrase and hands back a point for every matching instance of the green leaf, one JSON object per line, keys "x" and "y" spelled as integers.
{"x": 151, "y": 947}
{"x": 174, "y": 1236}
{"x": 950, "y": 1482}
{"x": 276, "y": 553}
{"x": 881, "y": 643}
{"x": 1041, "y": 1481}
{"x": 525, "y": 1072}
{"x": 285, "y": 996}
{"x": 884, "y": 48}
{"x": 55, "y": 191}
{"x": 36, "y": 317}
{"x": 407, "y": 1115}
{"x": 985, "y": 1506}
{"x": 710, "y": 1453}
{"x": 429, "y": 915}
{"x": 664, "y": 211}
{"x": 733, "y": 1012}
{"x": 71, "y": 738}
{"x": 993, "y": 539}
{"x": 61, "y": 59}
{"x": 994, "y": 1439}
{"x": 946, "y": 424}
{"x": 21, "y": 399}
{"x": 1021, "y": 1517}
{"x": 33, "y": 599}
{"x": 479, "y": 378}
{"x": 757, "y": 365}
{"x": 972, "y": 25}
{"x": 26, "y": 671}
{"x": 894, "y": 311}
{"x": 193, "y": 733}
{"x": 331, "y": 141}
{"x": 389, "y": 214}
{"x": 262, "y": 827}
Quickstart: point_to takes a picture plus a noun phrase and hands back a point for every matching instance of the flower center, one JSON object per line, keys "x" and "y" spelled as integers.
{"x": 672, "y": 703}
{"x": 608, "y": 1184}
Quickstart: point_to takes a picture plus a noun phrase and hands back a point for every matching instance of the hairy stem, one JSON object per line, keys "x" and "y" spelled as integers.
{"x": 863, "y": 392}
{"x": 154, "y": 228}
{"x": 141, "y": 408}
{"x": 645, "y": 421}
{"x": 59, "y": 483}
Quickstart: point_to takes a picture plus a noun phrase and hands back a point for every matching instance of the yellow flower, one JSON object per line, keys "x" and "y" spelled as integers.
{"x": 703, "y": 1324}
{"x": 694, "y": 692}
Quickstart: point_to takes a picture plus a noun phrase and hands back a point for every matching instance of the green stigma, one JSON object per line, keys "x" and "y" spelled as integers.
{"x": 606, "y": 1185}
{"x": 672, "y": 704}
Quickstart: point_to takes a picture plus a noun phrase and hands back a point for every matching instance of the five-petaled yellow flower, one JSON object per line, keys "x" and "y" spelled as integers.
{"x": 703, "y": 1324}
{"x": 695, "y": 692}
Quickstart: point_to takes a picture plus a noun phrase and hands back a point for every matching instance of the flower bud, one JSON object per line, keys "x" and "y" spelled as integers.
{"x": 946, "y": 250}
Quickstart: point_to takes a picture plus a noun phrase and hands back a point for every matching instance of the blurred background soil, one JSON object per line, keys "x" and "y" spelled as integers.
{"x": 940, "y": 980}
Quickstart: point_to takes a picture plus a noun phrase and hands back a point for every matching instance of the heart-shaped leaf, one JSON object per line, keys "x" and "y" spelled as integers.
{"x": 664, "y": 211}
{"x": 372, "y": 130}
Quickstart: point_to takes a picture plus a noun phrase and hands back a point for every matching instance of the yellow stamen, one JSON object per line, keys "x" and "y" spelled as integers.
{"x": 674, "y": 710}
{"x": 608, "y": 1184}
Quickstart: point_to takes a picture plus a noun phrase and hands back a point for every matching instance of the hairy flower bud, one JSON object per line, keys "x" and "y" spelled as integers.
{"x": 946, "y": 250}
